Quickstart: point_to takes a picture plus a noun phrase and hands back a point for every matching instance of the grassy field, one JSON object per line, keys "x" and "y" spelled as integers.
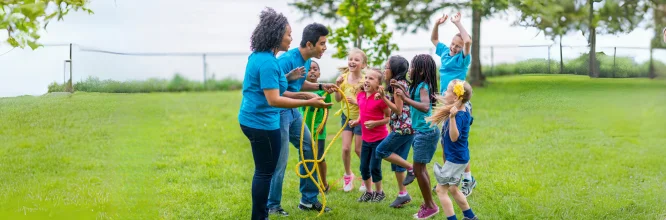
{"x": 542, "y": 147}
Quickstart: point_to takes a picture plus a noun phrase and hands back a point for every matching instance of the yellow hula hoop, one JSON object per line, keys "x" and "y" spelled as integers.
{"x": 315, "y": 149}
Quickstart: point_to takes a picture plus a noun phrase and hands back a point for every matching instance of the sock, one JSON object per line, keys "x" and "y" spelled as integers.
{"x": 411, "y": 169}
{"x": 468, "y": 176}
{"x": 453, "y": 217}
{"x": 468, "y": 213}
{"x": 403, "y": 193}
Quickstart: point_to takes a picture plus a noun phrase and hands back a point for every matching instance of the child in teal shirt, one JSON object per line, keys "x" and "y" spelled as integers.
{"x": 313, "y": 76}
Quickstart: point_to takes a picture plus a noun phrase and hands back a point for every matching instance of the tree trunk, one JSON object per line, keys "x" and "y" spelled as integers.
{"x": 659, "y": 22}
{"x": 561, "y": 57}
{"x": 477, "y": 77}
{"x": 593, "y": 72}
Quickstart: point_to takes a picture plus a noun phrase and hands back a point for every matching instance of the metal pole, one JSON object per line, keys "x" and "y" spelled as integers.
{"x": 71, "y": 63}
{"x": 204, "y": 71}
{"x": 614, "y": 53}
{"x": 492, "y": 61}
{"x": 549, "y": 59}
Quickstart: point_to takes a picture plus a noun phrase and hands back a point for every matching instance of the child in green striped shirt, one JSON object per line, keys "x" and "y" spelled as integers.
{"x": 313, "y": 76}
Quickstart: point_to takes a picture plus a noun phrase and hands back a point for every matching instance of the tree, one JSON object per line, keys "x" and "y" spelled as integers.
{"x": 552, "y": 19}
{"x": 361, "y": 26}
{"x": 23, "y": 19}
{"x": 412, "y": 16}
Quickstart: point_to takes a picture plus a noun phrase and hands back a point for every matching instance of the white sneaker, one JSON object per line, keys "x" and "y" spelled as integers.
{"x": 362, "y": 188}
{"x": 349, "y": 183}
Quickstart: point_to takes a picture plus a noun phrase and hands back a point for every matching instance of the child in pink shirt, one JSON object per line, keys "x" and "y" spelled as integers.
{"x": 374, "y": 115}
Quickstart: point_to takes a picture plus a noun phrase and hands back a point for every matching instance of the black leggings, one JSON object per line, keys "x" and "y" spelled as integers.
{"x": 265, "y": 151}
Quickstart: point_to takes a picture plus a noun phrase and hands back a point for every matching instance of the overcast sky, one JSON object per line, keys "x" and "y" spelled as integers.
{"x": 223, "y": 26}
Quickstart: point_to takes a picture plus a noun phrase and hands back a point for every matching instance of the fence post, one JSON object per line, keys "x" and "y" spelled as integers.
{"x": 492, "y": 61}
{"x": 549, "y": 59}
{"x": 204, "y": 71}
{"x": 70, "y": 87}
{"x": 614, "y": 53}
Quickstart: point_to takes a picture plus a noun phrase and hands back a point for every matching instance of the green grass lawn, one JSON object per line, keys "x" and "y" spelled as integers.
{"x": 542, "y": 147}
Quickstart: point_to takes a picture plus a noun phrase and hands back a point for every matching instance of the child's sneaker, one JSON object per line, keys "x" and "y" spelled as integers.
{"x": 400, "y": 201}
{"x": 327, "y": 188}
{"x": 379, "y": 196}
{"x": 409, "y": 178}
{"x": 366, "y": 197}
{"x": 278, "y": 211}
{"x": 349, "y": 183}
{"x": 467, "y": 186}
{"x": 362, "y": 188}
{"x": 475, "y": 218}
{"x": 425, "y": 213}
{"x": 313, "y": 207}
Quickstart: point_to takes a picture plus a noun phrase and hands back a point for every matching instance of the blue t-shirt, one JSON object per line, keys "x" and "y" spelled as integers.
{"x": 457, "y": 152}
{"x": 262, "y": 72}
{"x": 418, "y": 117}
{"x": 291, "y": 60}
{"x": 453, "y": 67}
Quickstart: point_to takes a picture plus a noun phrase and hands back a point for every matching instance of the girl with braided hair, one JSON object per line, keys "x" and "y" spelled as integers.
{"x": 421, "y": 99}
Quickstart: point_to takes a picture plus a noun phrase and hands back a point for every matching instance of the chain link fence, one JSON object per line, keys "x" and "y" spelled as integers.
{"x": 59, "y": 62}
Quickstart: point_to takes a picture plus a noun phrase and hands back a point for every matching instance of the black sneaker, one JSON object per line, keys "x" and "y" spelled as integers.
{"x": 401, "y": 201}
{"x": 366, "y": 197}
{"x": 475, "y": 218}
{"x": 278, "y": 211}
{"x": 313, "y": 207}
{"x": 409, "y": 178}
{"x": 327, "y": 189}
{"x": 379, "y": 196}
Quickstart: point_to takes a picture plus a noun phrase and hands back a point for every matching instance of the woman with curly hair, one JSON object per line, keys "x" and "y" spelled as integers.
{"x": 259, "y": 115}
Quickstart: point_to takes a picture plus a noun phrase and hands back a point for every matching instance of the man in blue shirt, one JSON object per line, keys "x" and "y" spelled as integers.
{"x": 313, "y": 44}
{"x": 455, "y": 63}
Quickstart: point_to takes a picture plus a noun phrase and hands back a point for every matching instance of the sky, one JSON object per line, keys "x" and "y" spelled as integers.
{"x": 223, "y": 26}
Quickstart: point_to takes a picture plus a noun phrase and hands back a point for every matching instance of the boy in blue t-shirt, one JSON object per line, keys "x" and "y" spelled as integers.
{"x": 455, "y": 63}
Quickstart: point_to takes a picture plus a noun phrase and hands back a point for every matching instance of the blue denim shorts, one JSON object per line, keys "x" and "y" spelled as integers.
{"x": 425, "y": 144}
{"x": 356, "y": 130}
{"x": 398, "y": 144}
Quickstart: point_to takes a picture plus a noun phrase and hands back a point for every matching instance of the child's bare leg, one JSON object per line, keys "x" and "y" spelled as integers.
{"x": 424, "y": 184}
{"x": 368, "y": 183}
{"x": 346, "y": 151}
{"x": 322, "y": 171}
{"x": 378, "y": 186}
{"x": 447, "y": 205}
{"x": 358, "y": 143}
{"x": 400, "y": 177}
{"x": 397, "y": 160}
{"x": 459, "y": 197}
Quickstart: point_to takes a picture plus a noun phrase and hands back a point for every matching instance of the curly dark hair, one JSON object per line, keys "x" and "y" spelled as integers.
{"x": 268, "y": 34}
{"x": 399, "y": 67}
{"x": 312, "y": 33}
{"x": 424, "y": 69}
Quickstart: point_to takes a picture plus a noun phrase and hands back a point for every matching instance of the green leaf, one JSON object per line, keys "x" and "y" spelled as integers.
{"x": 12, "y": 42}
{"x": 34, "y": 45}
